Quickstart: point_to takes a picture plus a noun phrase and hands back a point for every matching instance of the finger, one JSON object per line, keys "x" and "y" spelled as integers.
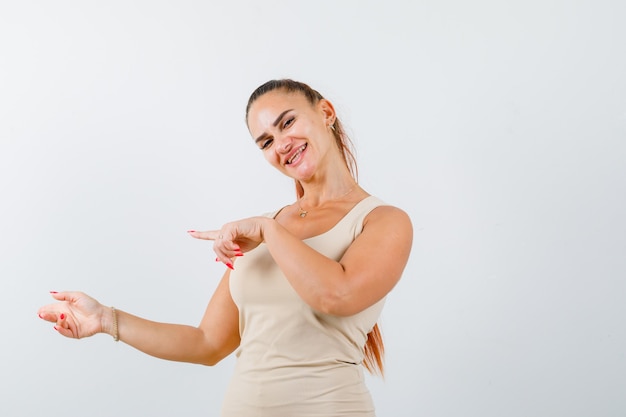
{"x": 48, "y": 314}
{"x": 208, "y": 235}
{"x": 62, "y": 321}
{"x": 231, "y": 246}
{"x": 224, "y": 247}
{"x": 65, "y": 332}
{"x": 228, "y": 263}
{"x": 68, "y": 296}
{"x": 51, "y": 312}
{"x": 226, "y": 260}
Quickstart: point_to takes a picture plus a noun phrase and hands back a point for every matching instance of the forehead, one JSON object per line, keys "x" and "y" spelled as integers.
{"x": 265, "y": 109}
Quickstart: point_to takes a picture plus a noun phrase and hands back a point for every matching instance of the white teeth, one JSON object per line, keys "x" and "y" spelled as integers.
{"x": 295, "y": 155}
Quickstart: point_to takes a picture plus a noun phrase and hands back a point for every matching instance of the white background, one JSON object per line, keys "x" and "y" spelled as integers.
{"x": 499, "y": 127}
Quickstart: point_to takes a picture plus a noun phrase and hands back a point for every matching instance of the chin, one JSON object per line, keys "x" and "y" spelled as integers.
{"x": 304, "y": 175}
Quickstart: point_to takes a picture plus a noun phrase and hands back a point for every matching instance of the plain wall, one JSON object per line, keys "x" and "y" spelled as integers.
{"x": 499, "y": 127}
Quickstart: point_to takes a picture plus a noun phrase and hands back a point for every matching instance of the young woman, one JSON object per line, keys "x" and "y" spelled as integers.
{"x": 301, "y": 302}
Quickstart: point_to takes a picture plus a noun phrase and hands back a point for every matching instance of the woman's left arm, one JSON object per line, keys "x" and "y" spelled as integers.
{"x": 368, "y": 270}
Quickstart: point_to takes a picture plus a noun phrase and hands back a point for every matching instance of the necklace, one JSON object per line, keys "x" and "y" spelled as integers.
{"x": 302, "y": 212}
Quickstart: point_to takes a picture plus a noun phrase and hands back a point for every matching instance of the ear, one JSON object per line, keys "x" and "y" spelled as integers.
{"x": 328, "y": 111}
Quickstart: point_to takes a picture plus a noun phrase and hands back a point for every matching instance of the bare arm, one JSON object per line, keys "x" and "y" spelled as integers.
{"x": 369, "y": 269}
{"x": 78, "y": 315}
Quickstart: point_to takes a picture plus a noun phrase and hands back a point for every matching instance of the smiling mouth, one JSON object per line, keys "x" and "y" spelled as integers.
{"x": 296, "y": 155}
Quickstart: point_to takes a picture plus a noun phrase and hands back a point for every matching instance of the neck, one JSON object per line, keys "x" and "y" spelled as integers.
{"x": 330, "y": 194}
{"x": 316, "y": 196}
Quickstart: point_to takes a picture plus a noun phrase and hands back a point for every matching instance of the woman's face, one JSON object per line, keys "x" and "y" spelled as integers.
{"x": 292, "y": 134}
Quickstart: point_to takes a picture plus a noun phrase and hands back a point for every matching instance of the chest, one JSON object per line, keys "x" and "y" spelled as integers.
{"x": 316, "y": 221}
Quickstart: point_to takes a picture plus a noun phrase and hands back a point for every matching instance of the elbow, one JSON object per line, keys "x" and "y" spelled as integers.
{"x": 209, "y": 360}
{"x": 327, "y": 306}
{"x": 335, "y": 304}
{"x": 211, "y": 355}
{"x": 344, "y": 301}
{"x": 335, "y": 298}
{"x": 210, "y": 351}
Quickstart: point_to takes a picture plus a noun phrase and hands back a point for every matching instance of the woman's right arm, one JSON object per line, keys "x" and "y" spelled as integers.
{"x": 78, "y": 316}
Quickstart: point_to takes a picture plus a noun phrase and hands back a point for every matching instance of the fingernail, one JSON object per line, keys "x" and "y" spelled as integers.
{"x": 239, "y": 254}
{"x": 217, "y": 259}
{"x": 62, "y": 316}
{"x": 191, "y": 231}
{"x": 40, "y": 316}
{"x": 230, "y": 265}
{"x": 56, "y": 328}
{"x": 54, "y": 292}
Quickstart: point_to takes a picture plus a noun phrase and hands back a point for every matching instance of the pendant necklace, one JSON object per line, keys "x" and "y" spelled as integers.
{"x": 302, "y": 212}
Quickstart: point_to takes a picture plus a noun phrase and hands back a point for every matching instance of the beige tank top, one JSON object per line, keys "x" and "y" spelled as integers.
{"x": 293, "y": 360}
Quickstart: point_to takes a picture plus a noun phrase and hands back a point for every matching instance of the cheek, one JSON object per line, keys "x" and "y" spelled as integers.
{"x": 270, "y": 157}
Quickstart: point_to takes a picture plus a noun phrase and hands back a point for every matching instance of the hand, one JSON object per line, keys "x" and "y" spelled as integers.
{"x": 76, "y": 316}
{"x": 235, "y": 238}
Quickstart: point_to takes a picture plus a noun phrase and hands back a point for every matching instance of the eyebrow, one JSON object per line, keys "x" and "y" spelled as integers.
{"x": 280, "y": 116}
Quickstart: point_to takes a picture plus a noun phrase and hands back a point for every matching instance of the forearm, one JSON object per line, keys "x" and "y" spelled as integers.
{"x": 173, "y": 342}
{"x": 320, "y": 281}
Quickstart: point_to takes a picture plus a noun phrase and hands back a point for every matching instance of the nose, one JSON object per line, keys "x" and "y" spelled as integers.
{"x": 284, "y": 144}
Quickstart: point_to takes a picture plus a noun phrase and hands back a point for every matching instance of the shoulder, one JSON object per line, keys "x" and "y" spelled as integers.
{"x": 387, "y": 213}
{"x": 375, "y": 211}
{"x": 387, "y": 218}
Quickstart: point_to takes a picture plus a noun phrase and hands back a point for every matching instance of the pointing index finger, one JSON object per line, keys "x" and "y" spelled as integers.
{"x": 208, "y": 235}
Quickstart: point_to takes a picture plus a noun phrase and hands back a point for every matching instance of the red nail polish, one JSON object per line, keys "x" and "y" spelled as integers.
{"x": 54, "y": 292}
{"x": 230, "y": 265}
{"x": 40, "y": 316}
{"x": 191, "y": 231}
{"x": 239, "y": 254}
{"x": 217, "y": 259}
{"x": 62, "y": 316}
{"x": 56, "y": 328}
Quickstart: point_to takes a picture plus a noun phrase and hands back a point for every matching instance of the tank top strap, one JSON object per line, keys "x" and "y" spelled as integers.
{"x": 354, "y": 219}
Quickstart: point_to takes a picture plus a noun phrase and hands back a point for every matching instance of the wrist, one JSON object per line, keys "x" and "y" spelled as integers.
{"x": 109, "y": 322}
{"x": 267, "y": 226}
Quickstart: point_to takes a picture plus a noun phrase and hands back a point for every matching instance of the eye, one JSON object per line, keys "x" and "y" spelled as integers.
{"x": 266, "y": 143}
{"x": 288, "y": 122}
